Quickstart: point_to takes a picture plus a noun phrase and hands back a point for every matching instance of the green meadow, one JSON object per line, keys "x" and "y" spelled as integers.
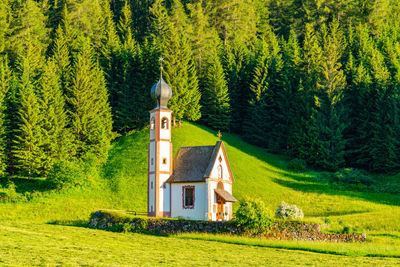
{"x": 46, "y": 227}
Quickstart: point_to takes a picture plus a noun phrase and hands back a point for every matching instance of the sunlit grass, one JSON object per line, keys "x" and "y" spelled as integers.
{"x": 376, "y": 245}
{"x": 257, "y": 173}
{"x": 27, "y": 244}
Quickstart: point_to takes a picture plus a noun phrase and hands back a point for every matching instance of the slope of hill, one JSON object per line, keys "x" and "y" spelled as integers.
{"x": 257, "y": 174}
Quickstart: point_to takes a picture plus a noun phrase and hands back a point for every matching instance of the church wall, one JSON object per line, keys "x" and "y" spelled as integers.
{"x": 223, "y": 163}
{"x": 164, "y": 195}
{"x": 200, "y": 209}
{"x": 151, "y": 193}
{"x": 213, "y": 200}
{"x": 164, "y": 154}
{"x": 152, "y": 148}
{"x": 152, "y": 132}
{"x": 165, "y": 133}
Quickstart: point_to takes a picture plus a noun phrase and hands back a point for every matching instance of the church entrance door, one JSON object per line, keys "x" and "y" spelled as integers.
{"x": 220, "y": 209}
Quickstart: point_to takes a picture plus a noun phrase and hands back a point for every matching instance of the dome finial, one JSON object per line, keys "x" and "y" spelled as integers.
{"x": 161, "y": 91}
{"x": 161, "y": 59}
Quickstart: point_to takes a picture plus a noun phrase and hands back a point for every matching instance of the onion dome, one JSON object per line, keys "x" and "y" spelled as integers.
{"x": 161, "y": 92}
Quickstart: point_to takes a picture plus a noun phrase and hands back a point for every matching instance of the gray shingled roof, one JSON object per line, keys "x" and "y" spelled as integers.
{"x": 194, "y": 163}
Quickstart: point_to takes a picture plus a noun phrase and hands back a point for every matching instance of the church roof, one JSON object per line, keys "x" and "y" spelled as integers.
{"x": 194, "y": 163}
{"x": 225, "y": 195}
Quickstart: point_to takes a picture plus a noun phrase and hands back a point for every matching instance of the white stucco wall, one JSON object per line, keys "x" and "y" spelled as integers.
{"x": 164, "y": 202}
{"x": 165, "y": 133}
{"x": 164, "y": 153}
{"x": 200, "y": 210}
{"x": 212, "y": 185}
{"x": 152, "y": 155}
{"x": 152, "y": 131}
{"x": 151, "y": 193}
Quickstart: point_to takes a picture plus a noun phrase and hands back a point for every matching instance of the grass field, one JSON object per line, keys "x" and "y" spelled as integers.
{"x": 41, "y": 244}
{"x": 257, "y": 173}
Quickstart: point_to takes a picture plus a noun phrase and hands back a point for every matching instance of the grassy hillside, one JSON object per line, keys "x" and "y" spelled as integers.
{"x": 121, "y": 184}
{"x": 257, "y": 173}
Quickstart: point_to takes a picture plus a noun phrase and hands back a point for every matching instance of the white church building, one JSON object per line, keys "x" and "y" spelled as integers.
{"x": 197, "y": 183}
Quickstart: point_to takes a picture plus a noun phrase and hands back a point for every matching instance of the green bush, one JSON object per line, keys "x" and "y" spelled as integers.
{"x": 347, "y": 230}
{"x": 286, "y": 211}
{"x": 297, "y": 165}
{"x": 66, "y": 174}
{"x": 10, "y": 194}
{"x": 353, "y": 178}
{"x": 253, "y": 216}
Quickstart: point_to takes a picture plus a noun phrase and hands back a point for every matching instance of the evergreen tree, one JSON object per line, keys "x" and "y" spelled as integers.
{"x": 57, "y": 140}
{"x": 329, "y": 99}
{"x": 87, "y": 99}
{"x": 27, "y": 149}
{"x": 215, "y": 99}
{"x": 5, "y": 80}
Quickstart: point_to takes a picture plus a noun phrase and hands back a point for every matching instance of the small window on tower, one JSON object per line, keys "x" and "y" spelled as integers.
{"x": 164, "y": 161}
{"x": 164, "y": 123}
{"x": 151, "y": 185}
{"x": 152, "y": 161}
{"x": 152, "y": 124}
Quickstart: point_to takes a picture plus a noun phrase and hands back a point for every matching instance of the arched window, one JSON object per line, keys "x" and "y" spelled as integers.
{"x": 164, "y": 123}
{"x": 152, "y": 123}
{"x": 220, "y": 186}
{"x": 219, "y": 171}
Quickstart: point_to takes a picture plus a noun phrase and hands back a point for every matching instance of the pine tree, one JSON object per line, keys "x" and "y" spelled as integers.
{"x": 258, "y": 121}
{"x": 329, "y": 97}
{"x": 27, "y": 149}
{"x": 28, "y": 28}
{"x": 179, "y": 69}
{"x": 88, "y": 105}
{"x": 5, "y": 80}
{"x": 4, "y": 24}
{"x": 57, "y": 140}
{"x": 215, "y": 99}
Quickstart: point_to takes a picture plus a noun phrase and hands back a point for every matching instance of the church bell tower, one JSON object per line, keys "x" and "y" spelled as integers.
{"x": 160, "y": 152}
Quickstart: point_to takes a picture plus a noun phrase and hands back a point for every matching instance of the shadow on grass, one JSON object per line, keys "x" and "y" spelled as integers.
{"x": 25, "y": 185}
{"x": 305, "y": 184}
{"x": 75, "y": 223}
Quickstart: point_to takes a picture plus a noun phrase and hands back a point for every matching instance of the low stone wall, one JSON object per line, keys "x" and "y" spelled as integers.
{"x": 113, "y": 221}
{"x": 306, "y": 231}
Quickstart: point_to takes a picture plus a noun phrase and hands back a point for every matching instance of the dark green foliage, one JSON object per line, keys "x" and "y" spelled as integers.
{"x": 316, "y": 80}
{"x": 215, "y": 108}
{"x": 253, "y": 216}
{"x": 297, "y": 165}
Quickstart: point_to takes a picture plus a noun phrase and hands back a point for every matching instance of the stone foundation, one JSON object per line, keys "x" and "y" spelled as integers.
{"x": 113, "y": 221}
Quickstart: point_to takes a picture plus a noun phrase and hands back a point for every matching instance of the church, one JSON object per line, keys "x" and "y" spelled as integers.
{"x": 197, "y": 183}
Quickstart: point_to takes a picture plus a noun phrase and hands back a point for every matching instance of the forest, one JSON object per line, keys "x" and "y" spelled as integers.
{"x": 317, "y": 80}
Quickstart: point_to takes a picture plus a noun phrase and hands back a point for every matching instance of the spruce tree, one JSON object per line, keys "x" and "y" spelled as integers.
{"x": 215, "y": 98}
{"x": 179, "y": 69}
{"x": 57, "y": 139}
{"x": 329, "y": 99}
{"x": 258, "y": 121}
{"x": 5, "y": 80}
{"x": 88, "y": 105}
{"x": 27, "y": 149}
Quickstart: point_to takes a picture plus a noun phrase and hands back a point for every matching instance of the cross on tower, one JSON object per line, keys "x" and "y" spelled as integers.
{"x": 161, "y": 59}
